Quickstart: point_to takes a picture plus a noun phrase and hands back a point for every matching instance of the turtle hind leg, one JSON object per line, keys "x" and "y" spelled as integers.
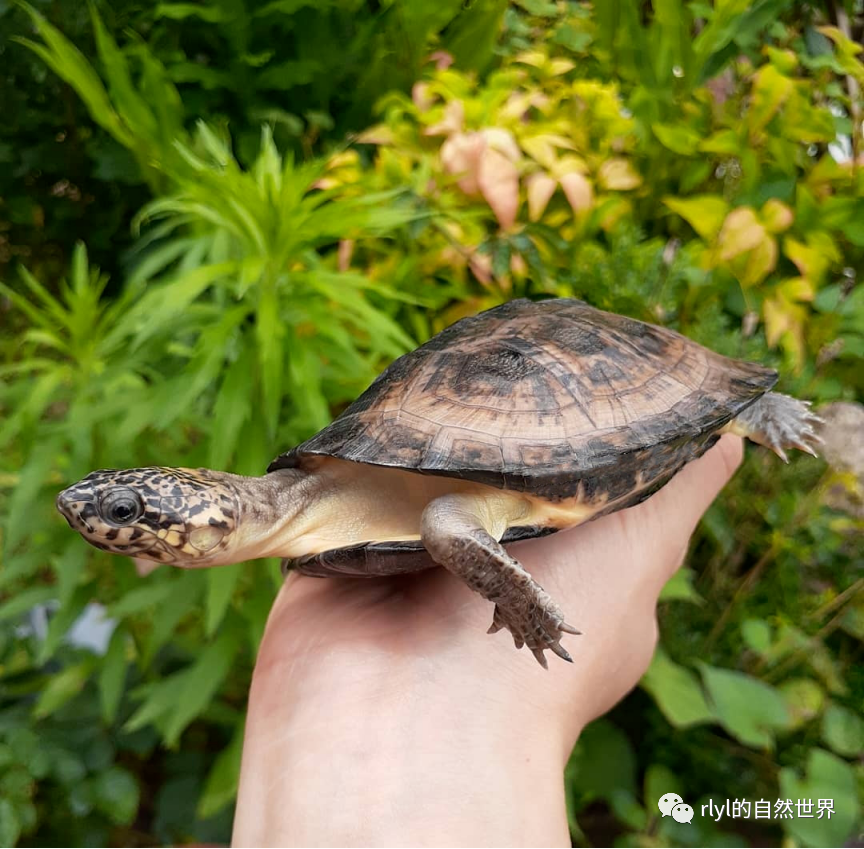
{"x": 454, "y": 533}
{"x": 779, "y": 422}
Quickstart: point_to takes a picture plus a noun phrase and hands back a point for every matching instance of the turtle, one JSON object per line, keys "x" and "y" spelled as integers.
{"x": 523, "y": 420}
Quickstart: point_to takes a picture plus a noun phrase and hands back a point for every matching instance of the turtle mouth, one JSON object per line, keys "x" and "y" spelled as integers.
{"x": 63, "y": 503}
{"x": 63, "y": 507}
{"x": 76, "y": 510}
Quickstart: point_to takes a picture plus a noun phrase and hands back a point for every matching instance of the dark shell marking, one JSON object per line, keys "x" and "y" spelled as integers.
{"x": 554, "y": 398}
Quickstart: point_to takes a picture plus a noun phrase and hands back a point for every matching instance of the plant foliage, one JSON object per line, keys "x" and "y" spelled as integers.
{"x": 693, "y": 164}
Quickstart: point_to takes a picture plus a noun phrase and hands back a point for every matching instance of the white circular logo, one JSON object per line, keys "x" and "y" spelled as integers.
{"x": 667, "y": 802}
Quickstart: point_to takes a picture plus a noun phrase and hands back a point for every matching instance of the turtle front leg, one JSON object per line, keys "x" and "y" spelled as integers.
{"x": 778, "y": 422}
{"x": 454, "y": 531}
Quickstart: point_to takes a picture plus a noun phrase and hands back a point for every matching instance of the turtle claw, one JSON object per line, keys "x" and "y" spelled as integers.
{"x": 803, "y": 446}
{"x": 780, "y": 422}
{"x": 540, "y": 627}
{"x": 561, "y": 652}
{"x": 497, "y": 623}
{"x": 541, "y": 658}
{"x": 780, "y": 453}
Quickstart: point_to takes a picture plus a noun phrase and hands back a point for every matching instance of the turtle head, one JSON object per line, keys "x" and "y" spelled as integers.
{"x": 186, "y": 517}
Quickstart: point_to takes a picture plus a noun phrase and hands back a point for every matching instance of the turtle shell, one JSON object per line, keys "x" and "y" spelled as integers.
{"x": 554, "y": 398}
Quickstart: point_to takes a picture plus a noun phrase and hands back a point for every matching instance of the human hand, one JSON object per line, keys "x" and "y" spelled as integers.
{"x": 380, "y": 713}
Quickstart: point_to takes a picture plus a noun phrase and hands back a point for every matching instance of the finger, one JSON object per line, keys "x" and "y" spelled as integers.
{"x": 667, "y": 521}
{"x": 651, "y": 537}
{"x": 684, "y": 500}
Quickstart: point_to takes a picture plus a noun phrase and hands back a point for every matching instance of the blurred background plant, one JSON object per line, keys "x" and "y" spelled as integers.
{"x": 389, "y": 168}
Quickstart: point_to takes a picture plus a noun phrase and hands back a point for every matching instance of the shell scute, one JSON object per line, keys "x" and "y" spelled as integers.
{"x": 551, "y": 398}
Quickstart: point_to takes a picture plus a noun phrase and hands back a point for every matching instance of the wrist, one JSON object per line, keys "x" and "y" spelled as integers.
{"x": 404, "y": 758}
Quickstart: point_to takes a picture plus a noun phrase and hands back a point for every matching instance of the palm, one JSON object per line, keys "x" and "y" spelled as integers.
{"x": 606, "y": 576}
{"x": 386, "y": 693}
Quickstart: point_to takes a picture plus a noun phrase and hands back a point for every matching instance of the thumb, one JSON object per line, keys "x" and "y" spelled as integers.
{"x": 669, "y": 518}
{"x": 690, "y": 493}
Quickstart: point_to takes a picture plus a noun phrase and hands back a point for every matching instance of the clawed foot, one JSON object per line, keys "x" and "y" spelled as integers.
{"x": 539, "y": 626}
{"x": 453, "y": 534}
{"x": 779, "y": 422}
{"x": 793, "y": 427}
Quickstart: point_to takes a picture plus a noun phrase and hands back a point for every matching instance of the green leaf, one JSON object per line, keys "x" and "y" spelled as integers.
{"x": 757, "y": 635}
{"x": 184, "y": 598}
{"x": 677, "y": 692}
{"x": 304, "y": 372}
{"x": 134, "y": 109}
{"x": 289, "y": 74}
{"x": 540, "y": 8}
{"x": 711, "y": 45}
{"x": 160, "y": 699}
{"x": 660, "y": 780}
{"x": 284, "y": 7}
{"x": 804, "y": 699}
{"x": 628, "y": 811}
{"x": 161, "y": 306}
{"x": 23, "y": 601}
{"x": 603, "y": 762}
{"x": 471, "y": 36}
{"x": 232, "y": 409}
{"x": 42, "y": 391}
{"x": 704, "y": 213}
{"x": 200, "y": 683}
{"x": 141, "y": 598}
{"x": 180, "y": 11}
{"x": 10, "y": 824}
{"x": 574, "y": 40}
{"x": 843, "y": 731}
{"x": 291, "y": 123}
{"x": 62, "y": 687}
{"x": 48, "y": 313}
{"x": 61, "y": 622}
{"x": 70, "y": 64}
{"x": 21, "y": 519}
{"x": 16, "y": 782}
{"x": 269, "y": 333}
{"x": 826, "y": 777}
{"x": 724, "y": 142}
{"x": 204, "y": 368}
{"x": 770, "y": 91}
{"x": 259, "y": 599}
{"x": 220, "y": 587}
{"x": 694, "y": 174}
{"x": 70, "y": 566}
{"x": 112, "y": 675}
{"x": 750, "y": 710}
{"x": 220, "y": 789}
{"x": 852, "y": 621}
{"x": 680, "y": 588}
{"x": 154, "y": 261}
{"x": 116, "y": 794}
{"x": 679, "y": 138}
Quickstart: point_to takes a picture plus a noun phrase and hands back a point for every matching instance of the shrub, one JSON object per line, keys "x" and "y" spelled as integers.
{"x": 697, "y": 182}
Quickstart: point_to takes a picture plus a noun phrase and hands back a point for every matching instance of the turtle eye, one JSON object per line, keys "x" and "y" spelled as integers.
{"x": 122, "y": 506}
